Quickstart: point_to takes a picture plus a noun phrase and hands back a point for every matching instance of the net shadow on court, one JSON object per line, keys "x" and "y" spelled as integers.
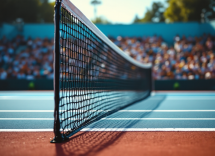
{"x": 89, "y": 143}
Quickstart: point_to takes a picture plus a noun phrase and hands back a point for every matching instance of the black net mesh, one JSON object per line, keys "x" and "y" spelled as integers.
{"x": 94, "y": 79}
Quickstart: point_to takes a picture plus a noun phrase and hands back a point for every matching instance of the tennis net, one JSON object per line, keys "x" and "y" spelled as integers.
{"x": 93, "y": 77}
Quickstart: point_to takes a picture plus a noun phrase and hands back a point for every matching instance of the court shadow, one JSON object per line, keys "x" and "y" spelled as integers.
{"x": 89, "y": 143}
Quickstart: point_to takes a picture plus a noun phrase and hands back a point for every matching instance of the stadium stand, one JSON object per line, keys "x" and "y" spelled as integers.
{"x": 189, "y": 58}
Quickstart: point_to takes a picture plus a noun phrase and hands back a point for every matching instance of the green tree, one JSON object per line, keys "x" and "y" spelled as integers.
{"x": 189, "y": 10}
{"x": 154, "y": 14}
{"x": 136, "y": 19}
{"x": 46, "y": 11}
{"x": 101, "y": 20}
{"x": 31, "y": 11}
{"x": 13, "y": 9}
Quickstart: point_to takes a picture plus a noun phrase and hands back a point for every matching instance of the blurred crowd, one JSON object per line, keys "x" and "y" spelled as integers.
{"x": 22, "y": 58}
{"x": 189, "y": 58}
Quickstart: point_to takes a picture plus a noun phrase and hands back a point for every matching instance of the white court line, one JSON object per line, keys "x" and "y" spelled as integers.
{"x": 26, "y": 130}
{"x": 122, "y": 119}
{"x": 190, "y": 98}
{"x": 26, "y": 118}
{"x": 43, "y": 98}
{"x": 182, "y": 98}
{"x": 191, "y": 93}
{"x": 119, "y": 130}
{"x": 26, "y": 111}
{"x": 153, "y": 98}
{"x": 158, "y": 119}
{"x": 166, "y": 111}
{"x": 48, "y": 111}
{"x": 147, "y": 129}
{"x": 26, "y": 98}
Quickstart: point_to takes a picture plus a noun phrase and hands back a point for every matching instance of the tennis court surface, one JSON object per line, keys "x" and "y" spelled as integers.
{"x": 164, "y": 123}
{"x": 102, "y": 103}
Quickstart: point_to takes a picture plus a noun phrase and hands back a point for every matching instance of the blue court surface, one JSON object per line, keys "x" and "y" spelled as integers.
{"x": 162, "y": 111}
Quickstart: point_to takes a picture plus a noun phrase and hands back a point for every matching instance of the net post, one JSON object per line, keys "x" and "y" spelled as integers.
{"x": 151, "y": 80}
{"x": 58, "y": 136}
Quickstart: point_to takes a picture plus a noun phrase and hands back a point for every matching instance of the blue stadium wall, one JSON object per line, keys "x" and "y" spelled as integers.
{"x": 45, "y": 84}
{"x": 167, "y": 31}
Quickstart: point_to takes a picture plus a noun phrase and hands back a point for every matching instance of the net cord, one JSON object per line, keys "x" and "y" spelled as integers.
{"x": 76, "y": 12}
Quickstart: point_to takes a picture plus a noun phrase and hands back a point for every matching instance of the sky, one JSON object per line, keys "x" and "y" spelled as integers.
{"x": 115, "y": 11}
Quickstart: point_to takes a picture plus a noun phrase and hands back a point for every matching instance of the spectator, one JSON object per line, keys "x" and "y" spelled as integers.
{"x": 3, "y": 74}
